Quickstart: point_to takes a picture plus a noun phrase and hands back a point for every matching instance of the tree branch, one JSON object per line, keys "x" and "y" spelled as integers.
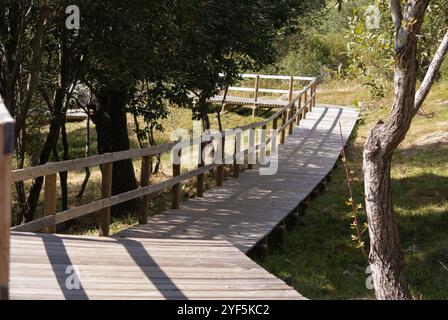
{"x": 397, "y": 13}
{"x": 431, "y": 74}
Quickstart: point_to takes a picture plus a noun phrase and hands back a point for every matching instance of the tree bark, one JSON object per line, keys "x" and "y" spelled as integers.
{"x": 55, "y": 125}
{"x": 112, "y": 132}
{"x": 386, "y": 256}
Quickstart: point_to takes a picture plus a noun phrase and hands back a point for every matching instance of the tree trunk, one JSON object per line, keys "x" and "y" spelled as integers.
{"x": 52, "y": 137}
{"x": 386, "y": 256}
{"x": 64, "y": 175}
{"x": 112, "y": 131}
{"x": 202, "y": 106}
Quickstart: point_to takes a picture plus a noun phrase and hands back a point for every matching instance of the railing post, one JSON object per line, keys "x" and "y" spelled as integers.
{"x": 6, "y": 149}
{"x": 50, "y": 194}
{"x": 306, "y": 105}
{"x": 291, "y": 115}
{"x": 251, "y": 156}
{"x": 106, "y": 192}
{"x": 262, "y": 152}
{"x": 291, "y": 89}
{"x": 200, "y": 179}
{"x": 220, "y": 169}
{"x": 144, "y": 182}
{"x": 257, "y": 88}
{"x": 177, "y": 187}
{"x": 275, "y": 124}
{"x": 314, "y": 94}
{"x": 237, "y": 150}
{"x": 283, "y": 133}
{"x": 312, "y": 97}
{"x": 299, "y": 105}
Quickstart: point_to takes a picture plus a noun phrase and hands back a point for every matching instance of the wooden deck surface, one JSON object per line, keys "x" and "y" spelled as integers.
{"x": 261, "y": 102}
{"x": 121, "y": 269}
{"x": 198, "y": 251}
{"x": 246, "y": 209}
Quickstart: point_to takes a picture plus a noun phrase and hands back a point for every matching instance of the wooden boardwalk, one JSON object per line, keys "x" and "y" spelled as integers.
{"x": 247, "y": 209}
{"x": 198, "y": 251}
{"x": 121, "y": 269}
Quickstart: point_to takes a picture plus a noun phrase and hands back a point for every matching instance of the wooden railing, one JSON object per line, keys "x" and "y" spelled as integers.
{"x": 257, "y": 89}
{"x": 6, "y": 149}
{"x": 297, "y": 108}
{"x": 256, "y": 101}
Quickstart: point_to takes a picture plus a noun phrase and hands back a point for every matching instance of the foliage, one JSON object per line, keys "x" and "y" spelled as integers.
{"x": 371, "y": 50}
{"x": 317, "y": 47}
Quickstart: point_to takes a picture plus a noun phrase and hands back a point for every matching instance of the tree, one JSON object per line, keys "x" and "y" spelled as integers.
{"x": 128, "y": 45}
{"x": 226, "y": 37}
{"x": 386, "y": 255}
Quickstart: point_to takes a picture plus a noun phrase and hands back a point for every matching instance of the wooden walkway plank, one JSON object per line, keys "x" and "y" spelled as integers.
{"x": 136, "y": 269}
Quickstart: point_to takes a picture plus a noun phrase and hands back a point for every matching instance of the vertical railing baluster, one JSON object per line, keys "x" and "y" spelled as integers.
{"x": 251, "y": 156}
{"x": 50, "y": 193}
{"x": 237, "y": 151}
{"x": 144, "y": 182}
{"x": 220, "y": 169}
{"x": 177, "y": 187}
{"x": 106, "y": 192}
{"x": 200, "y": 179}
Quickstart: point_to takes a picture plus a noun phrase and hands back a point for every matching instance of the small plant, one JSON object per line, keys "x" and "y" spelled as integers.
{"x": 359, "y": 229}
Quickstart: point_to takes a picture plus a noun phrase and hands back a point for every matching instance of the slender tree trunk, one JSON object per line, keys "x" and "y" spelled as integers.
{"x": 112, "y": 131}
{"x": 64, "y": 175}
{"x": 386, "y": 256}
{"x": 52, "y": 137}
{"x": 203, "y": 109}
{"x": 86, "y": 154}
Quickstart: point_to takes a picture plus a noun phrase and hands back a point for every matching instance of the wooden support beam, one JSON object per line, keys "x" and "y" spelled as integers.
{"x": 322, "y": 186}
{"x": 292, "y": 220}
{"x": 299, "y": 105}
{"x": 307, "y": 103}
{"x": 260, "y": 250}
{"x": 257, "y": 88}
{"x": 278, "y": 234}
{"x": 291, "y": 89}
{"x": 50, "y": 193}
{"x": 283, "y": 133}
{"x": 106, "y": 192}
{"x": 144, "y": 181}
{"x": 251, "y": 156}
{"x": 200, "y": 179}
{"x": 236, "y": 160}
{"x": 290, "y": 116}
{"x": 220, "y": 168}
{"x": 262, "y": 150}
{"x": 177, "y": 187}
{"x": 6, "y": 149}
{"x": 303, "y": 206}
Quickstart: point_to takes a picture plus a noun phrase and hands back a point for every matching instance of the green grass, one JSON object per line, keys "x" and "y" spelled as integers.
{"x": 320, "y": 260}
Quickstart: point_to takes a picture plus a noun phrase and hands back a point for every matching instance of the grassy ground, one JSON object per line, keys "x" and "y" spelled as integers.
{"x": 321, "y": 261}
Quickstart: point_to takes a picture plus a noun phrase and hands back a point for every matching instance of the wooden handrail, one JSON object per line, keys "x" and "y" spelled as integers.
{"x": 290, "y": 113}
{"x": 6, "y": 149}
